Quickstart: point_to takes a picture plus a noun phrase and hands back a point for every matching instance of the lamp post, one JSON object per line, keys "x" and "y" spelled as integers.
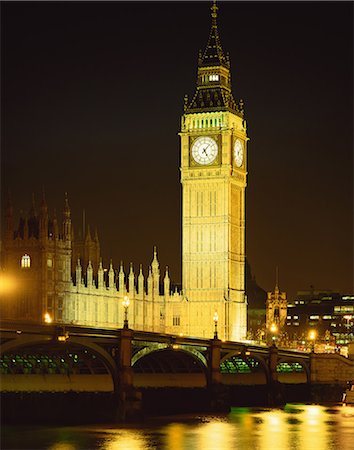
{"x": 125, "y": 304}
{"x": 312, "y": 337}
{"x": 273, "y": 329}
{"x": 215, "y": 319}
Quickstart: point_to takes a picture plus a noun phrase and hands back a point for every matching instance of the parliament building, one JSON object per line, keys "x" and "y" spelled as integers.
{"x": 60, "y": 276}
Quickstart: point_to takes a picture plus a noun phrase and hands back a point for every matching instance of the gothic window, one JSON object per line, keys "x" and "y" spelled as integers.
{"x": 176, "y": 321}
{"x": 25, "y": 261}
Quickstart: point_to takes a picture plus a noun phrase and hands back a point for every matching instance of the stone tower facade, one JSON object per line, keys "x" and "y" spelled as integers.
{"x": 213, "y": 176}
{"x": 37, "y": 253}
{"x": 276, "y": 310}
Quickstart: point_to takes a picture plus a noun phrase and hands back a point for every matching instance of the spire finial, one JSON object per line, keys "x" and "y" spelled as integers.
{"x": 276, "y": 278}
{"x": 214, "y": 12}
{"x": 67, "y": 212}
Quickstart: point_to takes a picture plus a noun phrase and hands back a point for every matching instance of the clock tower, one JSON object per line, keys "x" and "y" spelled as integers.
{"x": 213, "y": 176}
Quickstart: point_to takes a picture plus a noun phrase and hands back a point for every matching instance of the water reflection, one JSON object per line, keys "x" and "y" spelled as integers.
{"x": 295, "y": 427}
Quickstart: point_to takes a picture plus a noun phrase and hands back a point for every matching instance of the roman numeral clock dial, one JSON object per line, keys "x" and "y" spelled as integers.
{"x": 238, "y": 153}
{"x": 204, "y": 150}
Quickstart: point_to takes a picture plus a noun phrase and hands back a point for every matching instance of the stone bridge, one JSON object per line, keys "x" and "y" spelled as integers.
{"x": 124, "y": 362}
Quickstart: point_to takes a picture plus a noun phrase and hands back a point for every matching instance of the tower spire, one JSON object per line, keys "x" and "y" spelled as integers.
{"x": 213, "y": 54}
{"x": 213, "y": 93}
{"x": 214, "y": 13}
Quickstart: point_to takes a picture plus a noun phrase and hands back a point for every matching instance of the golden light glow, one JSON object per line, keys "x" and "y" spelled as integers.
{"x": 126, "y": 301}
{"x": 125, "y": 440}
{"x": 7, "y": 284}
{"x": 273, "y": 328}
{"x": 25, "y": 261}
{"x": 63, "y": 337}
{"x": 216, "y": 435}
{"x": 215, "y": 317}
{"x": 312, "y": 335}
{"x": 47, "y": 318}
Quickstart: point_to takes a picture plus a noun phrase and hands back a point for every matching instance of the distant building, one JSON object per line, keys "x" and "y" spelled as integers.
{"x": 327, "y": 313}
{"x": 276, "y": 307}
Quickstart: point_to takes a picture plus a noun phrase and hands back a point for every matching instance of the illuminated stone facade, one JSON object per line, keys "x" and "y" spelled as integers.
{"x": 61, "y": 276}
{"x": 276, "y": 312}
{"x": 213, "y": 176}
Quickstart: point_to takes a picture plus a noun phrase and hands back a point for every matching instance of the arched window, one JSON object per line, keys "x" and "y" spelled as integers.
{"x": 25, "y": 261}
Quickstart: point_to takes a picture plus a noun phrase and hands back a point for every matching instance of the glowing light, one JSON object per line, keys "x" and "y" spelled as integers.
{"x": 216, "y": 435}
{"x": 273, "y": 328}
{"x": 25, "y": 261}
{"x": 7, "y": 284}
{"x": 126, "y": 301}
{"x": 312, "y": 335}
{"x": 126, "y": 440}
{"x": 47, "y": 318}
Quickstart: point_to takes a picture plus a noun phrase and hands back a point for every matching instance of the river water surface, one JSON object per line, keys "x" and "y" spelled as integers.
{"x": 294, "y": 427}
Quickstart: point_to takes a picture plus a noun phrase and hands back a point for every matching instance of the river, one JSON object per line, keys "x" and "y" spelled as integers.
{"x": 293, "y": 427}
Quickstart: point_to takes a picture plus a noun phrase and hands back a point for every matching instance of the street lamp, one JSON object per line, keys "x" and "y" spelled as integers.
{"x": 215, "y": 319}
{"x": 273, "y": 329}
{"x": 312, "y": 337}
{"x": 47, "y": 318}
{"x": 126, "y": 303}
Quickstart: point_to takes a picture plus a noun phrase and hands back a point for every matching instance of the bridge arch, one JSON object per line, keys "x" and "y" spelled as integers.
{"x": 28, "y": 346}
{"x": 292, "y": 371}
{"x": 165, "y": 366}
{"x": 244, "y": 368}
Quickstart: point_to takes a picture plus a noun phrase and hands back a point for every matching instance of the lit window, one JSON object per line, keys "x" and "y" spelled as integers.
{"x": 288, "y": 317}
{"x": 314, "y": 317}
{"x": 296, "y": 317}
{"x": 176, "y": 321}
{"x": 213, "y": 77}
{"x": 25, "y": 262}
{"x": 49, "y": 262}
{"x": 327, "y": 317}
{"x": 296, "y": 324}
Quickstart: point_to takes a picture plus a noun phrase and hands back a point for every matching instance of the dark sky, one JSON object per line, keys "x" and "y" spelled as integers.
{"x": 92, "y": 95}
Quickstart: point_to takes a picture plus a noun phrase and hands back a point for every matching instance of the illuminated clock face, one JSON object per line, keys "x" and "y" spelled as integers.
{"x": 238, "y": 153}
{"x": 204, "y": 150}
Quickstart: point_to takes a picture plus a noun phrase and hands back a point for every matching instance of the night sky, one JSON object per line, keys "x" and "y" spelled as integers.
{"x": 92, "y": 95}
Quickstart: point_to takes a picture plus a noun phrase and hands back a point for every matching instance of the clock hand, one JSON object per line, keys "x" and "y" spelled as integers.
{"x": 204, "y": 149}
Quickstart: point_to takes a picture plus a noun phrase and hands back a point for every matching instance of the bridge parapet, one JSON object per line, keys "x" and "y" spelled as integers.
{"x": 331, "y": 368}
